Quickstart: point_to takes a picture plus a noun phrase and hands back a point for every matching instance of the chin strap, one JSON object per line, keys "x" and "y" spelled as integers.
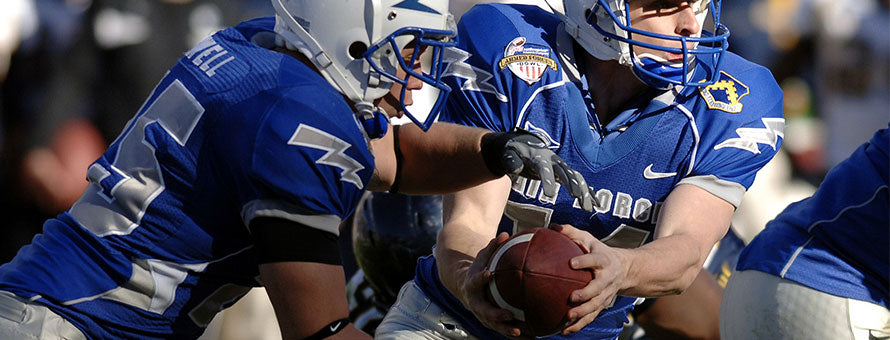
{"x": 373, "y": 119}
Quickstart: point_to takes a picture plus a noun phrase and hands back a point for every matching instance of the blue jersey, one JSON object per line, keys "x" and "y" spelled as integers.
{"x": 835, "y": 241}
{"x": 519, "y": 72}
{"x": 159, "y": 243}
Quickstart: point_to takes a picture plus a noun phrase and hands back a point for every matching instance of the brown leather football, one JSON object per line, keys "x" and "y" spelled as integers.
{"x": 532, "y": 278}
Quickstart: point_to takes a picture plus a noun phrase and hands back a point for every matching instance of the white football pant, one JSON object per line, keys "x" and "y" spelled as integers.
{"x": 757, "y": 305}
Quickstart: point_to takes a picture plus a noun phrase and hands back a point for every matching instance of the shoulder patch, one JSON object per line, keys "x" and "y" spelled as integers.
{"x": 726, "y": 94}
{"x": 527, "y": 61}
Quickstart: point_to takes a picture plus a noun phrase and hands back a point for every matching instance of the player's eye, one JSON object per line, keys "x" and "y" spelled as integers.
{"x": 658, "y": 5}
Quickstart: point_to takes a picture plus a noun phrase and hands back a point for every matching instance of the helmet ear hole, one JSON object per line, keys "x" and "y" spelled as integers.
{"x": 357, "y": 50}
{"x": 590, "y": 17}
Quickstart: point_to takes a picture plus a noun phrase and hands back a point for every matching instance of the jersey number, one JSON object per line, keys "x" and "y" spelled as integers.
{"x": 529, "y": 216}
{"x": 121, "y": 190}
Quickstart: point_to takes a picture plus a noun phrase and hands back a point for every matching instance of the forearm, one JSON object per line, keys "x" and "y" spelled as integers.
{"x": 691, "y": 222}
{"x": 450, "y": 154}
{"x": 449, "y": 157}
{"x": 470, "y": 220}
{"x": 307, "y": 297}
{"x": 663, "y": 267}
{"x": 456, "y": 248}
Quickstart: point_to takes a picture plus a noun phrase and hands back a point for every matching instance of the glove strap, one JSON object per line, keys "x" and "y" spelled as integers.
{"x": 493, "y": 146}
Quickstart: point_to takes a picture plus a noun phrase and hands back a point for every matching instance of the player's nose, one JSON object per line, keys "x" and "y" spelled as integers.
{"x": 413, "y": 82}
{"x": 687, "y": 22}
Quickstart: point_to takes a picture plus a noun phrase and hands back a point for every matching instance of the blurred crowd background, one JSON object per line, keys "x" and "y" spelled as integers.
{"x": 73, "y": 72}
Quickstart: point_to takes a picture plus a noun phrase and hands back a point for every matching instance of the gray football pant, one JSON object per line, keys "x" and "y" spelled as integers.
{"x": 27, "y": 320}
{"x": 757, "y": 305}
{"x": 413, "y": 316}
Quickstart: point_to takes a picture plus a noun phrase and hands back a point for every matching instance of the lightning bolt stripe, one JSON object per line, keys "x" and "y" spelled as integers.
{"x": 476, "y": 78}
{"x": 335, "y": 149}
{"x": 750, "y": 137}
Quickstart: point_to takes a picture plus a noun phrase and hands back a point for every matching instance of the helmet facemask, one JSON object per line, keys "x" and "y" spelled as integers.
{"x": 427, "y": 48}
{"x": 602, "y": 28}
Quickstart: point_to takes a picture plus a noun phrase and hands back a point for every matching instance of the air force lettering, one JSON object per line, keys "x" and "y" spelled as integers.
{"x": 169, "y": 202}
{"x": 682, "y": 136}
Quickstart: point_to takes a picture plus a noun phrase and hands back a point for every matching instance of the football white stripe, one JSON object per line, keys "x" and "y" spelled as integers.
{"x": 519, "y": 314}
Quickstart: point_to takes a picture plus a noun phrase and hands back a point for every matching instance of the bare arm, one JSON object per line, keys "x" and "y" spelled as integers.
{"x": 470, "y": 218}
{"x": 465, "y": 244}
{"x": 307, "y": 297}
{"x": 300, "y": 267}
{"x": 450, "y": 157}
{"x": 447, "y": 153}
{"x": 692, "y": 221}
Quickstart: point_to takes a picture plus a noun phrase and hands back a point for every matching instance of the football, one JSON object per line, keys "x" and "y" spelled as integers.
{"x": 531, "y": 277}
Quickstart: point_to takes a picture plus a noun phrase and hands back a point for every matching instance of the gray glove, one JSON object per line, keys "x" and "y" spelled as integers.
{"x": 523, "y": 153}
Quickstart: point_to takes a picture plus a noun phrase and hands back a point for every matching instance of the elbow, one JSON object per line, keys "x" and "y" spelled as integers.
{"x": 686, "y": 279}
{"x": 682, "y": 285}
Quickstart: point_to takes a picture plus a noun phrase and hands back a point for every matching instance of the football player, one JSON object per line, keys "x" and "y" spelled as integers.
{"x": 667, "y": 127}
{"x": 240, "y": 166}
{"x": 820, "y": 269}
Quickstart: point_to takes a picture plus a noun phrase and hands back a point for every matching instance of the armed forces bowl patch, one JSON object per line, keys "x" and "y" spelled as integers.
{"x": 527, "y": 61}
{"x": 725, "y": 95}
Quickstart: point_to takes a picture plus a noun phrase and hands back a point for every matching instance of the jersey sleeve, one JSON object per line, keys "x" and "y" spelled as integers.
{"x": 740, "y": 132}
{"x": 308, "y": 165}
{"x": 486, "y": 91}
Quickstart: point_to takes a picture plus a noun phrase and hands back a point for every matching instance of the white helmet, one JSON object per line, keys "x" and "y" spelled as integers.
{"x": 602, "y": 28}
{"x": 357, "y": 44}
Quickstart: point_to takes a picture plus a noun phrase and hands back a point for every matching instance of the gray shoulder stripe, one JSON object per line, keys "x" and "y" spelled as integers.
{"x": 279, "y": 209}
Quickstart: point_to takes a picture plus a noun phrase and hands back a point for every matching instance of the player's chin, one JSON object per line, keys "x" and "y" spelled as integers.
{"x": 392, "y": 107}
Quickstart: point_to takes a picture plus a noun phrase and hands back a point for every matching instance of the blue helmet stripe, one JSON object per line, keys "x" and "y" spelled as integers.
{"x": 415, "y": 5}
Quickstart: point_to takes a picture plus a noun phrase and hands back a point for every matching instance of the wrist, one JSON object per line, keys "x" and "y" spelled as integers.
{"x": 492, "y": 147}
{"x": 626, "y": 276}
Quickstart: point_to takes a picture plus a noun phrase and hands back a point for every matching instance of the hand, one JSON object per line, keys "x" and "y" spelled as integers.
{"x": 472, "y": 293}
{"x": 609, "y": 267}
{"x": 524, "y": 154}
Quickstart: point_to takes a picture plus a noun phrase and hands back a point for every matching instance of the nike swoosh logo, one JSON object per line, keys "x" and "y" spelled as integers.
{"x": 335, "y": 326}
{"x": 649, "y": 174}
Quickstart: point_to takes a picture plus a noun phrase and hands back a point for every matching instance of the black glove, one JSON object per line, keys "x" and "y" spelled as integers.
{"x": 524, "y": 154}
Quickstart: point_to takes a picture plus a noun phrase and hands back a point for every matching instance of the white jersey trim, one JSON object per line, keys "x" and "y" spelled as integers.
{"x": 528, "y": 102}
{"x": 697, "y": 136}
{"x": 729, "y": 191}
{"x": 279, "y": 209}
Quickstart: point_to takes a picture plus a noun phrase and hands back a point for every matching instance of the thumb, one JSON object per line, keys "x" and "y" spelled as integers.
{"x": 511, "y": 162}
